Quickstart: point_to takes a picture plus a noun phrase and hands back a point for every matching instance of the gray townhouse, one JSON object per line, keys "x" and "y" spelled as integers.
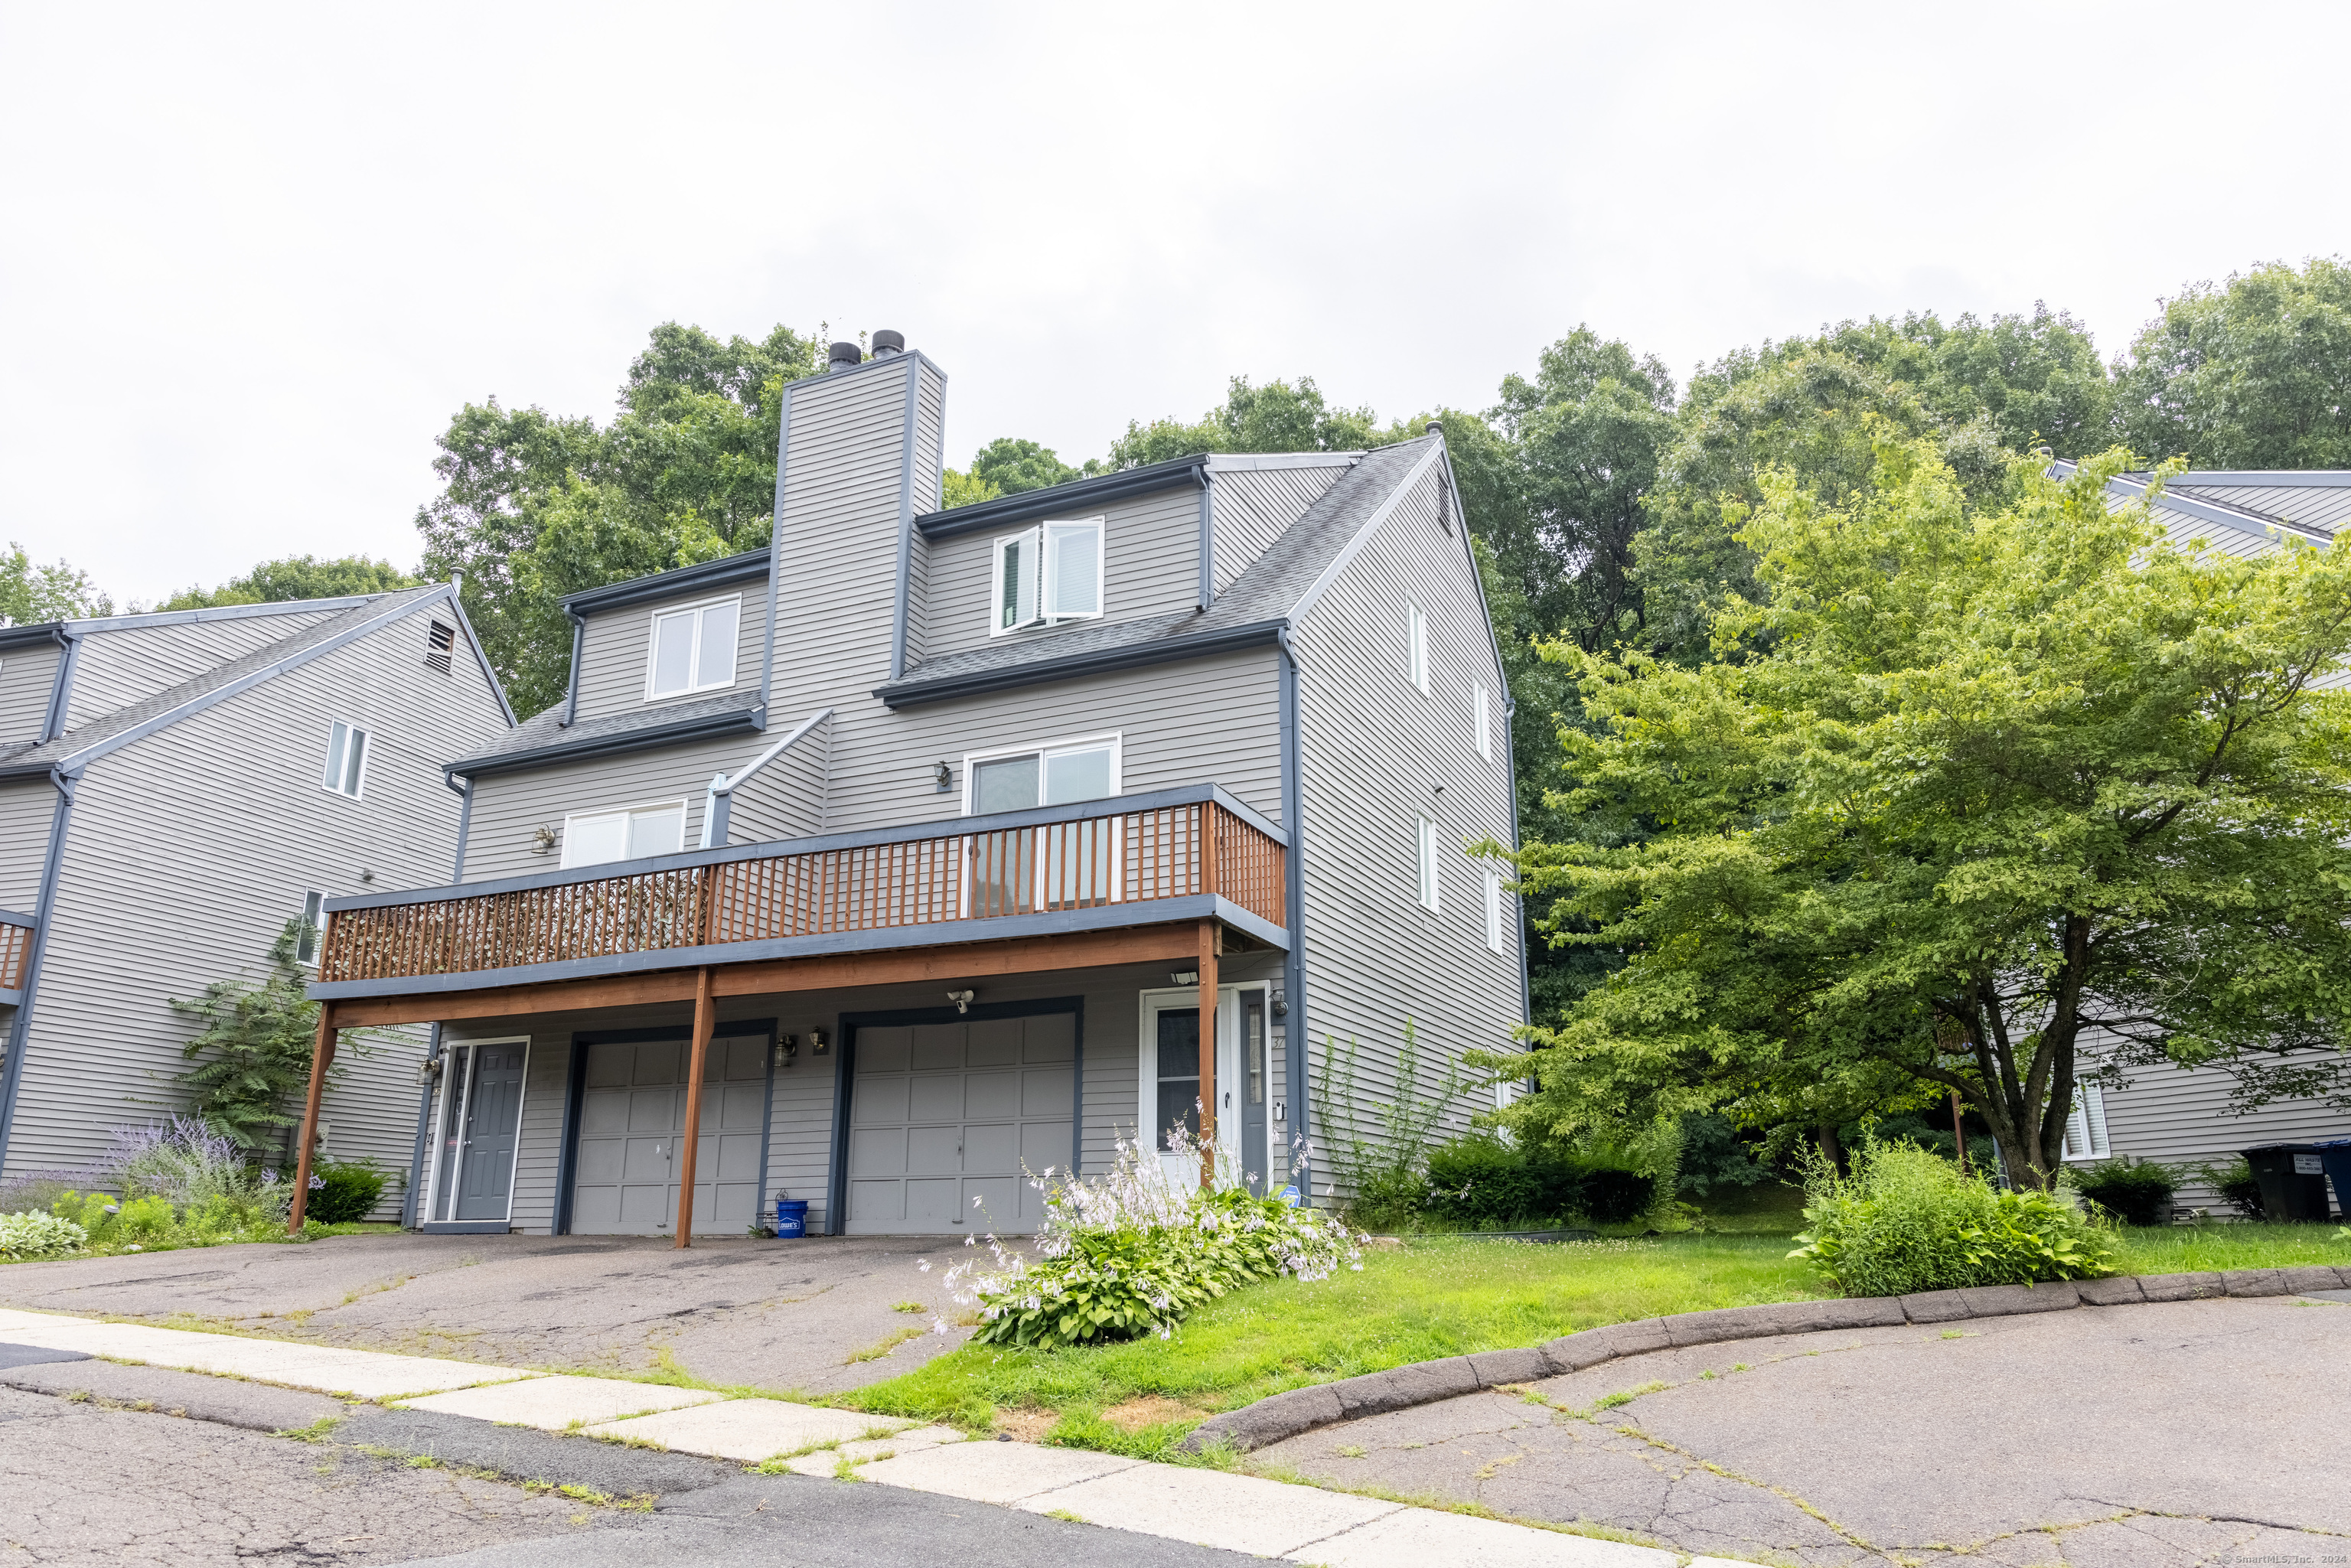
{"x": 941, "y": 840}
{"x": 174, "y": 788}
{"x": 2181, "y": 1115}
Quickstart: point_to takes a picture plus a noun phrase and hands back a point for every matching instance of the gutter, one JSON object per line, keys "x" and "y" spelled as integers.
{"x": 700, "y": 727}
{"x": 1134, "y": 655}
{"x": 53, "y": 723}
{"x": 1071, "y": 497}
{"x": 571, "y": 693}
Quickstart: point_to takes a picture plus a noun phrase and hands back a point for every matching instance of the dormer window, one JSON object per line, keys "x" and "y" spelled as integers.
{"x": 1047, "y": 575}
{"x": 694, "y": 648}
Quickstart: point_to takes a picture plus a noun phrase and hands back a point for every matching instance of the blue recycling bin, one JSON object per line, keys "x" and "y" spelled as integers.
{"x": 2334, "y": 1154}
{"x": 791, "y": 1217}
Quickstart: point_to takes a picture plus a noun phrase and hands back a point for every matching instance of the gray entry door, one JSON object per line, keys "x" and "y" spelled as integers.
{"x": 632, "y": 1117}
{"x": 493, "y": 1116}
{"x": 943, "y": 1118}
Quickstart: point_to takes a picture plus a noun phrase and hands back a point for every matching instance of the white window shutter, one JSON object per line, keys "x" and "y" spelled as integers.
{"x": 2094, "y": 1118}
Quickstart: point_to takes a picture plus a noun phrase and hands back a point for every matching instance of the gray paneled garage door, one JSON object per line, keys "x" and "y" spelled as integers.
{"x": 631, "y": 1111}
{"x": 943, "y": 1114}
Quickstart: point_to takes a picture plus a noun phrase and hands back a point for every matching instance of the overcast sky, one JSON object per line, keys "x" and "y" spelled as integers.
{"x": 252, "y": 259}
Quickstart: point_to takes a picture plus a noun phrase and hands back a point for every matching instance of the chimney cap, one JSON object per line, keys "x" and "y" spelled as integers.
{"x": 1436, "y": 427}
{"x": 845, "y": 354}
{"x": 885, "y": 341}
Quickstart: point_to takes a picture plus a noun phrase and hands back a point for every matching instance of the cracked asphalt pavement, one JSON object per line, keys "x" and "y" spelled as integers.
{"x": 94, "y": 1480}
{"x": 780, "y": 1315}
{"x": 2147, "y": 1436}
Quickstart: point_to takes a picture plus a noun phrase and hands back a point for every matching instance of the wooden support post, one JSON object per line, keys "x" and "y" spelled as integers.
{"x": 1211, "y": 933}
{"x": 322, "y": 1056}
{"x": 689, "y": 1147}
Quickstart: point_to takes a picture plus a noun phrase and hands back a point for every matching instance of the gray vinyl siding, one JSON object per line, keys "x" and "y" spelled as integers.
{"x": 616, "y": 645}
{"x": 27, "y": 678}
{"x": 2181, "y": 1117}
{"x": 510, "y": 808}
{"x": 786, "y": 798}
{"x": 1150, "y": 565}
{"x": 26, "y": 810}
{"x": 930, "y": 429}
{"x": 1374, "y": 751}
{"x": 115, "y": 669}
{"x": 1252, "y": 507}
{"x": 190, "y": 849}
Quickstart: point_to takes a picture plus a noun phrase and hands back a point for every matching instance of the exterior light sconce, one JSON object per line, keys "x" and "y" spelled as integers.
{"x": 1281, "y": 1003}
{"x": 943, "y": 776}
{"x": 819, "y": 1042}
{"x": 428, "y": 1070}
{"x": 542, "y": 840}
{"x": 1185, "y": 977}
{"x": 788, "y": 1046}
{"x": 962, "y": 1000}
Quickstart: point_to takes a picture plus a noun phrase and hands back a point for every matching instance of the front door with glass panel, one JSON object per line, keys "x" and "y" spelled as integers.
{"x": 1171, "y": 1080}
{"x": 479, "y": 1127}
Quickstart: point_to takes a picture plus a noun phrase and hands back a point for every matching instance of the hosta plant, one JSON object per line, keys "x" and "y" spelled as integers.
{"x": 25, "y": 1237}
{"x": 1124, "y": 1254}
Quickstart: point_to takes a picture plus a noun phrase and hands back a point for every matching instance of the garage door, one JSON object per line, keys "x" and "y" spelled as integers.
{"x": 631, "y": 1114}
{"x": 942, "y": 1114}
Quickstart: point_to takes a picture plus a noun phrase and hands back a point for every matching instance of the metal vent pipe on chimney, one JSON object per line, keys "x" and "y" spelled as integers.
{"x": 887, "y": 343}
{"x": 844, "y": 356}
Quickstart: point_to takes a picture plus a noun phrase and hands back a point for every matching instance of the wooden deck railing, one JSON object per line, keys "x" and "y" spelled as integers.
{"x": 1098, "y": 857}
{"x": 15, "y": 951}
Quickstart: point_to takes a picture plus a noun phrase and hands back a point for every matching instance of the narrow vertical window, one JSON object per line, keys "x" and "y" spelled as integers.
{"x": 1416, "y": 647}
{"x": 1494, "y": 912}
{"x": 305, "y": 933}
{"x": 346, "y": 746}
{"x": 1424, "y": 851}
{"x": 1483, "y": 724}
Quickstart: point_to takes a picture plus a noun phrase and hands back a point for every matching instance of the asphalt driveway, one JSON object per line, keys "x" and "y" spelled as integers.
{"x": 782, "y": 1315}
{"x": 2144, "y": 1437}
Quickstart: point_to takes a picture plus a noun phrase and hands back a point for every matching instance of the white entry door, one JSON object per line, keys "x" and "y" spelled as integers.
{"x": 632, "y": 1116}
{"x": 947, "y": 1122}
{"x": 1170, "y": 1071}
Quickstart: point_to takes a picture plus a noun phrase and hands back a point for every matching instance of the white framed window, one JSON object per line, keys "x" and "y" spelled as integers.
{"x": 596, "y": 838}
{"x": 1416, "y": 647}
{"x": 1046, "y": 575}
{"x": 2086, "y": 1127}
{"x": 308, "y": 934}
{"x": 1058, "y": 774}
{"x": 347, "y": 758}
{"x": 1495, "y": 906}
{"x": 692, "y": 649}
{"x": 1481, "y": 723}
{"x": 1424, "y": 852}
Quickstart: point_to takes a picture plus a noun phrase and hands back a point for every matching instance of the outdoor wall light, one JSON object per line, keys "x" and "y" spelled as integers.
{"x": 542, "y": 840}
{"x": 819, "y": 1042}
{"x": 945, "y": 776}
{"x": 427, "y": 1071}
{"x": 962, "y": 1000}
{"x": 1185, "y": 977}
{"x": 788, "y": 1046}
{"x": 1280, "y": 1004}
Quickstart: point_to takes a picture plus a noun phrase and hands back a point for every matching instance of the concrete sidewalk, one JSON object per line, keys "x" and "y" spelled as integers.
{"x": 1208, "y": 1508}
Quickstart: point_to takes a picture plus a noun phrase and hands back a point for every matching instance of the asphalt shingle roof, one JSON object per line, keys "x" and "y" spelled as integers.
{"x": 544, "y": 735}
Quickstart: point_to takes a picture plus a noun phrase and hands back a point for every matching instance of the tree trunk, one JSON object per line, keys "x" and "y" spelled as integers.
{"x": 1825, "y": 1136}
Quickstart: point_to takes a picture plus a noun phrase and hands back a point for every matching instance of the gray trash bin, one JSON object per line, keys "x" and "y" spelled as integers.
{"x": 2292, "y": 1180}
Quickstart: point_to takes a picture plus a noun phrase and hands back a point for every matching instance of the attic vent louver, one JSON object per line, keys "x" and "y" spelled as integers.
{"x": 440, "y": 644}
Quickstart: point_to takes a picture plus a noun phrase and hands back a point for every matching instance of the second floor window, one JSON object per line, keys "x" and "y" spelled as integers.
{"x": 347, "y": 749}
{"x": 694, "y": 648}
{"x": 1494, "y": 907}
{"x": 1048, "y": 776}
{"x": 1424, "y": 851}
{"x": 1483, "y": 725}
{"x": 1416, "y": 647}
{"x": 594, "y": 838}
{"x": 1047, "y": 574}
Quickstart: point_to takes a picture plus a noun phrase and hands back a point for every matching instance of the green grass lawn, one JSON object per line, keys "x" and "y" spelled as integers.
{"x": 1431, "y": 1297}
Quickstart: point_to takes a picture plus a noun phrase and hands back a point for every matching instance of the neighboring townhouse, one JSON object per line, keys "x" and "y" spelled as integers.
{"x": 174, "y": 788}
{"x": 2183, "y": 1115}
{"x": 939, "y": 832}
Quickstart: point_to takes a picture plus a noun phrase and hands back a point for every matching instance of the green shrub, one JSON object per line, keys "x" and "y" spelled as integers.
{"x": 1481, "y": 1182}
{"x": 350, "y": 1191}
{"x": 145, "y": 1220}
{"x": 2134, "y": 1194}
{"x": 1907, "y": 1220}
{"x": 1124, "y": 1255}
{"x": 26, "y": 1237}
{"x": 1613, "y": 1193}
{"x": 93, "y": 1211}
{"x": 2238, "y": 1187}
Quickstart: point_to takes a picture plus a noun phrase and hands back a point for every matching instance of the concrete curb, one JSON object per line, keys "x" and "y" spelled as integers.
{"x": 1280, "y": 1416}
